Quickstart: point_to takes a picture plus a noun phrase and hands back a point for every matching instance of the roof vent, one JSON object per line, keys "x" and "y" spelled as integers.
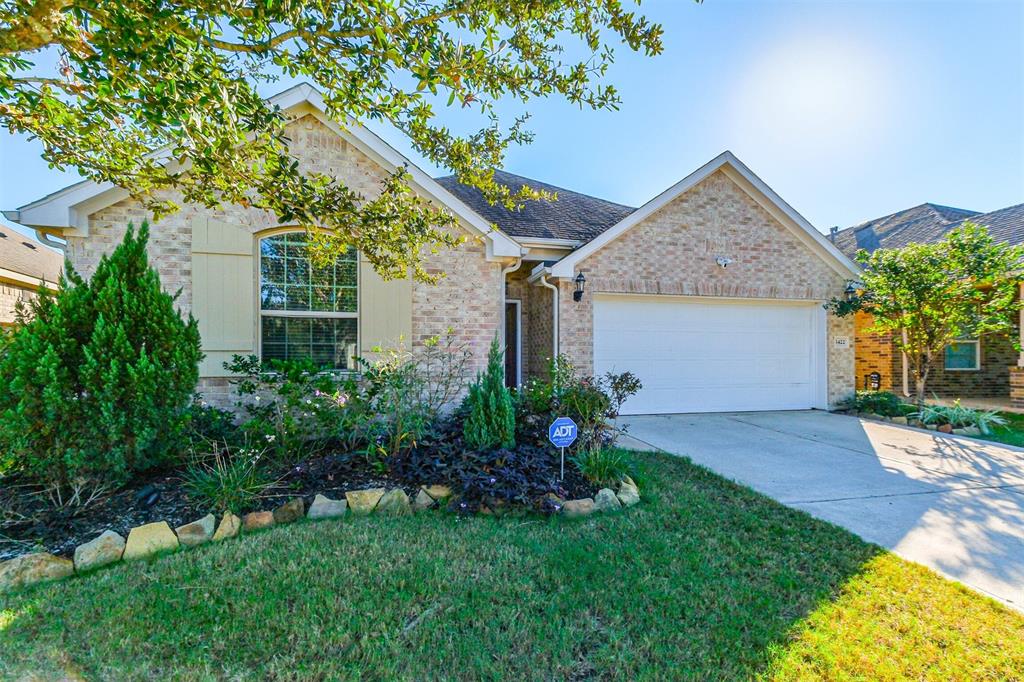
{"x": 31, "y": 246}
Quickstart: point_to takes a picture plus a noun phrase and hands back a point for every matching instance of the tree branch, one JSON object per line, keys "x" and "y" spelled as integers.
{"x": 281, "y": 38}
{"x": 36, "y": 28}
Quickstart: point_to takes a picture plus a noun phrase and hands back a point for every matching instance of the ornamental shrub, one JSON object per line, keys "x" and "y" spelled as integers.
{"x": 288, "y": 405}
{"x": 879, "y": 402}
{"x": 490, "y": 413}
{"x": 98, "y": 377}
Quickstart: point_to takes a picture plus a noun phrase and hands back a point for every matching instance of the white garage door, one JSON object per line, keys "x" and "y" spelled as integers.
{"x": 719, "y": 356}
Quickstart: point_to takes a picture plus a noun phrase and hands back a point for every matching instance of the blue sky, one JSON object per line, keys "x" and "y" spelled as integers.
{"x": 848, "y": 110}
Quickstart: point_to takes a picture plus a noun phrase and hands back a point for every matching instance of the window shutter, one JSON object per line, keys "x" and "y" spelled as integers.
{"x": 385, "y": 310}
{"x": 223, "y": 292}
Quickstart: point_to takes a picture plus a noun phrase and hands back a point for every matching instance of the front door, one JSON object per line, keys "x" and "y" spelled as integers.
{"x": 512, "y": 338}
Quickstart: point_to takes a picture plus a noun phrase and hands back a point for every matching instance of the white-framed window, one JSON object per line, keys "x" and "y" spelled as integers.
{"x": 963, "y": 355}
{"x": 307, "y": 311}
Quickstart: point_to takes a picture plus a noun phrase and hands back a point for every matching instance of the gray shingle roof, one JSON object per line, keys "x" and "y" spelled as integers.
{"x": 573, "y": 216}
{"x": 26, "y": 256}
{"x": 924, "y": 223}
{"x": 1005, "y": 225}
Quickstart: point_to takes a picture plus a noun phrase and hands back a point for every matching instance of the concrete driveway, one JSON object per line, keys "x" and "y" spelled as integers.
{"x": 954, "y": 504}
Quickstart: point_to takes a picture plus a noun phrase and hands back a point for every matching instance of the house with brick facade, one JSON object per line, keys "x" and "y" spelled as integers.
{"x": 25, "y": 266}
{"x": 981, "y": 368}
{"x": 711, "y": 292}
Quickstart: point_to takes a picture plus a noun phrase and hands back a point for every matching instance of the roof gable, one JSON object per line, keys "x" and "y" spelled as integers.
{"x": 68, "y": 210}
{"x": 742, "y": 176}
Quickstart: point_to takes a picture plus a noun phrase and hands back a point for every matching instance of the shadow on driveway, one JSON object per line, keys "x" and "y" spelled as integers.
{"x": 954, "y": 504}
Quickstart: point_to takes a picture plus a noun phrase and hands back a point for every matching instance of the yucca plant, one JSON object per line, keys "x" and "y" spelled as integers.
{"x": 959, "y": 416}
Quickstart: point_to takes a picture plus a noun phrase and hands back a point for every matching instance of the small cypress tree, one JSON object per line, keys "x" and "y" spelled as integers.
{"x": 491, "y": 419}
{"x": 98, "y": 377}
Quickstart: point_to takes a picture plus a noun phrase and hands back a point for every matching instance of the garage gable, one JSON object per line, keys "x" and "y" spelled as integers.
{"x": 712, "y": 240}
{"x": 722, "y": 214}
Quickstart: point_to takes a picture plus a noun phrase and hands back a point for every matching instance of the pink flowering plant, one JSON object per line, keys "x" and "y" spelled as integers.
{"x": 289, "y": 406}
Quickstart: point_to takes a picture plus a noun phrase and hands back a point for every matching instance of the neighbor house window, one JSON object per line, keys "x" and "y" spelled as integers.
{"x": 307, "y": 311}
{"x": 963, "y": 355}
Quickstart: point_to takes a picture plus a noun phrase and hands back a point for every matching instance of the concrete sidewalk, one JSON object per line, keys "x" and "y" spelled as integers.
{"x": 952, "y": 503}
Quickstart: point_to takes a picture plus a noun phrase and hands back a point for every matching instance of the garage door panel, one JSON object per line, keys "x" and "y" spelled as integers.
{"x": 694, "y": 356}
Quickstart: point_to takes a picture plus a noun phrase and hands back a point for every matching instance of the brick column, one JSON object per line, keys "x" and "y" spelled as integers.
{"x": 1017, "y": 387}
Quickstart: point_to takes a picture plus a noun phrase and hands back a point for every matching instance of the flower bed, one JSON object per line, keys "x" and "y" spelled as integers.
{"x": 95, "y": 452}
{"x": 32, "y": 522}
{"x": 121, "y": 540}
{"x": 381, "y": 462}
{"x": 956, "y": 418}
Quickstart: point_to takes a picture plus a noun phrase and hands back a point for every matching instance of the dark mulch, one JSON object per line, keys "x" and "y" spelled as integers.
{"x": 30, "y": 522}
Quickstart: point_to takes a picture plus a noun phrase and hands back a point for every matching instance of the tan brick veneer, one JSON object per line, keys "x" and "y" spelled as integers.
{"x": 673, "y": 252}
{"x": 465, "y": 300}
{"x": 10, "y": 295}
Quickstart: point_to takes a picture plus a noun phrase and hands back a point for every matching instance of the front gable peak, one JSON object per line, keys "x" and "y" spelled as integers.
{"x": 732, "y": 168}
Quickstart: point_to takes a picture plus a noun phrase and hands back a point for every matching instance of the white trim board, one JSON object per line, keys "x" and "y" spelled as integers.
{"x": 746, "y": 180}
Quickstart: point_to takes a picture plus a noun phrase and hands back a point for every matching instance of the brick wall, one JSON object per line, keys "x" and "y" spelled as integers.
{"x": 465, "y": 300}
{"x": 673, "y": 251}
{"x": 991, "y": 381}
{"x": 541, "y": 323}
{"x": 875, "y": 352}
{"x": 10, "y": 295}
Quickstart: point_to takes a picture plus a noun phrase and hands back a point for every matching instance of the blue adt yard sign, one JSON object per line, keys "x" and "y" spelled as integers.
{"x": 562, "y": 434}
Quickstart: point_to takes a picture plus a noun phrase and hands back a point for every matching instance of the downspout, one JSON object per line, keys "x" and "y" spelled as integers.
{"x": 554, "y": 315}
{"x": 45, "y": 238}
{"x": 501, "y": 297}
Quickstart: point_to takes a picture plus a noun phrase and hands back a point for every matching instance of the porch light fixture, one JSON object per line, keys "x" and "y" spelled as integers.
{"x": 851, "y": 292}
{"x": 580, "y": 282}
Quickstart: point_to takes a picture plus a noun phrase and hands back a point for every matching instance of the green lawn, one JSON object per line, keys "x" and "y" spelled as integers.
{"x": 1012, "y": 433}
{"x": 704, "y": 579}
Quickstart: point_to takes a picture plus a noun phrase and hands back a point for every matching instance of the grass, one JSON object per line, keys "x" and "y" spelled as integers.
{"x": 1011, "y": 434}
{"x": 704, "y": 579}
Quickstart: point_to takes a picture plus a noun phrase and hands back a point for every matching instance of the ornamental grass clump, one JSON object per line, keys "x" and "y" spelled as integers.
{"x": 490, "y": 412}
{"x": 98, "y": 377}
{"x": 604, "y": 466}
{"x": 227, "y": 480}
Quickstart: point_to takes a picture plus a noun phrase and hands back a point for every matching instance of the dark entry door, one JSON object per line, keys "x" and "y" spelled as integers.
{"x": 512, "y": 350}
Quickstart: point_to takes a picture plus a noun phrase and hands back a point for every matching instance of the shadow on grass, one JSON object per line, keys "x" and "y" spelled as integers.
{"x": 703, "y": 579}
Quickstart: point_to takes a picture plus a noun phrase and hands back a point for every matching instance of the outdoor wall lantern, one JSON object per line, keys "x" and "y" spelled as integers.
{"x": 851, "y": 291}
{"x": 580, "y": 282}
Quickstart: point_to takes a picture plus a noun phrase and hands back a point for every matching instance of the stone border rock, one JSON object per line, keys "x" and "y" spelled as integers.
{"x": 970, "y": 431}
{"x": 156, "y": 538}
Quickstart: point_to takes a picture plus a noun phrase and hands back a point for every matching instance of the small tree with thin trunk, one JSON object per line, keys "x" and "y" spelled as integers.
{"x": 927, "y": 296}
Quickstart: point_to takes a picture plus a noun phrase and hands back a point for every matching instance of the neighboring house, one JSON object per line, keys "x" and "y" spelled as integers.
{"x": 711, "y": 292}
{"x": 973, "y": 368}
{"x": 25, "y": 265}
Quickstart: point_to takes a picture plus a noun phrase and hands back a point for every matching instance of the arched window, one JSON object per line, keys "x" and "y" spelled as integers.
{"x": 307, "y": 311}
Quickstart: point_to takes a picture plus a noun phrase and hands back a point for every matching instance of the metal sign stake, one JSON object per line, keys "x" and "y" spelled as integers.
{"x": 562, "y": 433}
